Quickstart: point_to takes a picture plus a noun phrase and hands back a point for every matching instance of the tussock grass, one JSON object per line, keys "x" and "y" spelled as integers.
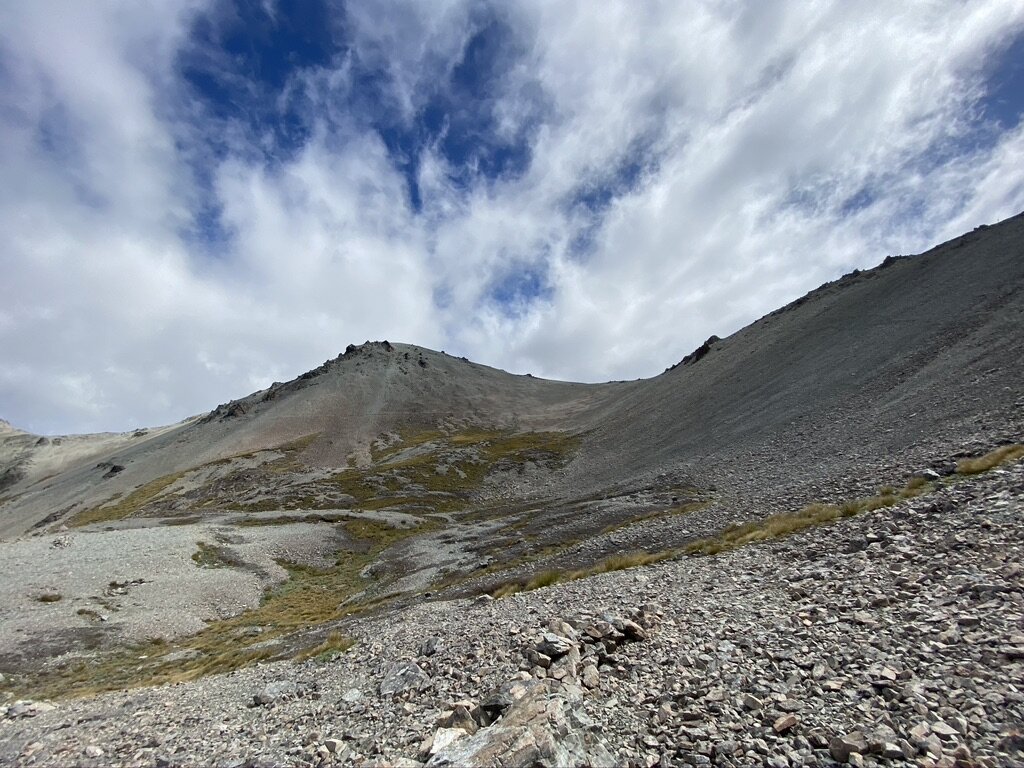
{"x": 334, "y": 644}
{"x": 990, "y": 460}
{"x": 788, "y": 523}
{"x": 546, "y": 578}
{"x": 126, "y": 506}
{"x": 450, "y": 469}
{"x": 679, "y": 509}
{"x": 212, "y": 556}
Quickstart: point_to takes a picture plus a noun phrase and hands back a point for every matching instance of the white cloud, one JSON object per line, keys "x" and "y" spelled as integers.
{"x": 750, "y": 125}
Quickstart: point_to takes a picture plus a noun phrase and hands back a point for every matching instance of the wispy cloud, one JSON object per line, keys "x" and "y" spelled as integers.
{"x": 200, "y": 198}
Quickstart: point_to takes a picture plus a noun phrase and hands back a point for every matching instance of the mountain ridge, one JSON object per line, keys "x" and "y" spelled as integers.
{"x": 824, "y": 504}
{"x": 825, "y": 351}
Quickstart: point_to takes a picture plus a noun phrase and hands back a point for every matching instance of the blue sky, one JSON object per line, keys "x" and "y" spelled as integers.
{"x": 201, "y": 197}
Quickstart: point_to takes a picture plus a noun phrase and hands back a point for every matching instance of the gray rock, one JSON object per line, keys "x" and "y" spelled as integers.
{"x": 276, "y": 691}
{"x": 444, "y": 738}
{"x": 429, "y": 646}
{"x": 944, "y": 731}
{"x": 553, "y": 645}
{"x": 785, "y": 723}
{"x": 459, "y": 717}
{"x": 891, "y": 751}
{"x": 545, "y": 727}
{"x": 403, "y": 676}
{"x": 751, "y": 703}
{"x": 842, "y": 747}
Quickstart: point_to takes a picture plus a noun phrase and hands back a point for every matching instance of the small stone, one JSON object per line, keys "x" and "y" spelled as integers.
{"x": 962, "y": 752}
{"x": 920, "y": 732}
{"x": 841, "y": 749}
{"x": 751, "y": 703}
{"x": 785, "y": 723}
{"x": 403, "y": 676}
{"x": 856, "y": 759}
{"x": 334, "y": 746}
{"x": 932, "y": 745}
{"x": 553, "y": 645}
{"x": 429, "y": 646}
{"x": 93, "y": 751}
{"x": 891, "y": 751}
{"x": 908, "y": 749}
{"x": 944, "y": 731}
{"x": 631, "y": 629}
{"x": 591, "y": 677}
{"x": 459, "y": 717}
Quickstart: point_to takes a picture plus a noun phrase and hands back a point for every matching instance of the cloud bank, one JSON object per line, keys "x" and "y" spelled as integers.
{"x": 200, "y": 198}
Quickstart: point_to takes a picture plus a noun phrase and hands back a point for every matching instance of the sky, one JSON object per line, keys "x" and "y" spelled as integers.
{"x": 201, "y": 197}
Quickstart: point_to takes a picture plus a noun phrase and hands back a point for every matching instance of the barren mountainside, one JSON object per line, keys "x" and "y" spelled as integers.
{"x": 399, "y": 481}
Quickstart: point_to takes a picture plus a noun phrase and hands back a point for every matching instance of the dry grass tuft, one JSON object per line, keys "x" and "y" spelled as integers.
{"x": 785, "y": 524}
{"x": 546, "y": 578}
{"x": 127, "y": 506}
{"x": 334, "y": 644}
{"x": 990, "y": 460}
{"x": 211, "y": 556}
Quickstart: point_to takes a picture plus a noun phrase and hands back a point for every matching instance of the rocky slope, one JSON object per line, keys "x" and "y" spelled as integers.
{"x": 891, "y": 638}
{"x": 870, "y": 614}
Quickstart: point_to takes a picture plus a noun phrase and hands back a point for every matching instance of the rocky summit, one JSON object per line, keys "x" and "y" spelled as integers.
{"x": 801, "y": 545}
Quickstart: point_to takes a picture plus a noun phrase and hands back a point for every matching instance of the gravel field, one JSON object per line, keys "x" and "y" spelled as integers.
{"x": 892, "y": 638}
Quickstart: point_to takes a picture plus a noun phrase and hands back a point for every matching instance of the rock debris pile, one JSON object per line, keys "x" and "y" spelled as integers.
{"x": 894, "y": 638}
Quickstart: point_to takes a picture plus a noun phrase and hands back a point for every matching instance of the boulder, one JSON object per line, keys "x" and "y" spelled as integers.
{"x": 277, "y": 690}
{"x": 403, "y": 676}
{"x": 545, "y": 727}
{"x": 553, "y": 645}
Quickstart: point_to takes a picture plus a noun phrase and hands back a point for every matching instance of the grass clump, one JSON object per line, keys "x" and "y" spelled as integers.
{"x": 450, "y": 469}
{"x": 787, "y": 523}
{"x": 211, "y": 556}
{"x": 619, "y": 562}
{"x": 126, "y": 506}
{"x": 990, "y": 460}
{"x": 679, "y": 509}
{"x": 334, "y": 644}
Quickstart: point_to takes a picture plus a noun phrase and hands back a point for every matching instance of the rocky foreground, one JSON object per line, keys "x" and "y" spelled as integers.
{"x": 892, "y": 638}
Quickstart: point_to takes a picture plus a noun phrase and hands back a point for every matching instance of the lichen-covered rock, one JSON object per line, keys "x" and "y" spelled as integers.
{"x": 545, "y": 727}
{"x": 403, "y": 676}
